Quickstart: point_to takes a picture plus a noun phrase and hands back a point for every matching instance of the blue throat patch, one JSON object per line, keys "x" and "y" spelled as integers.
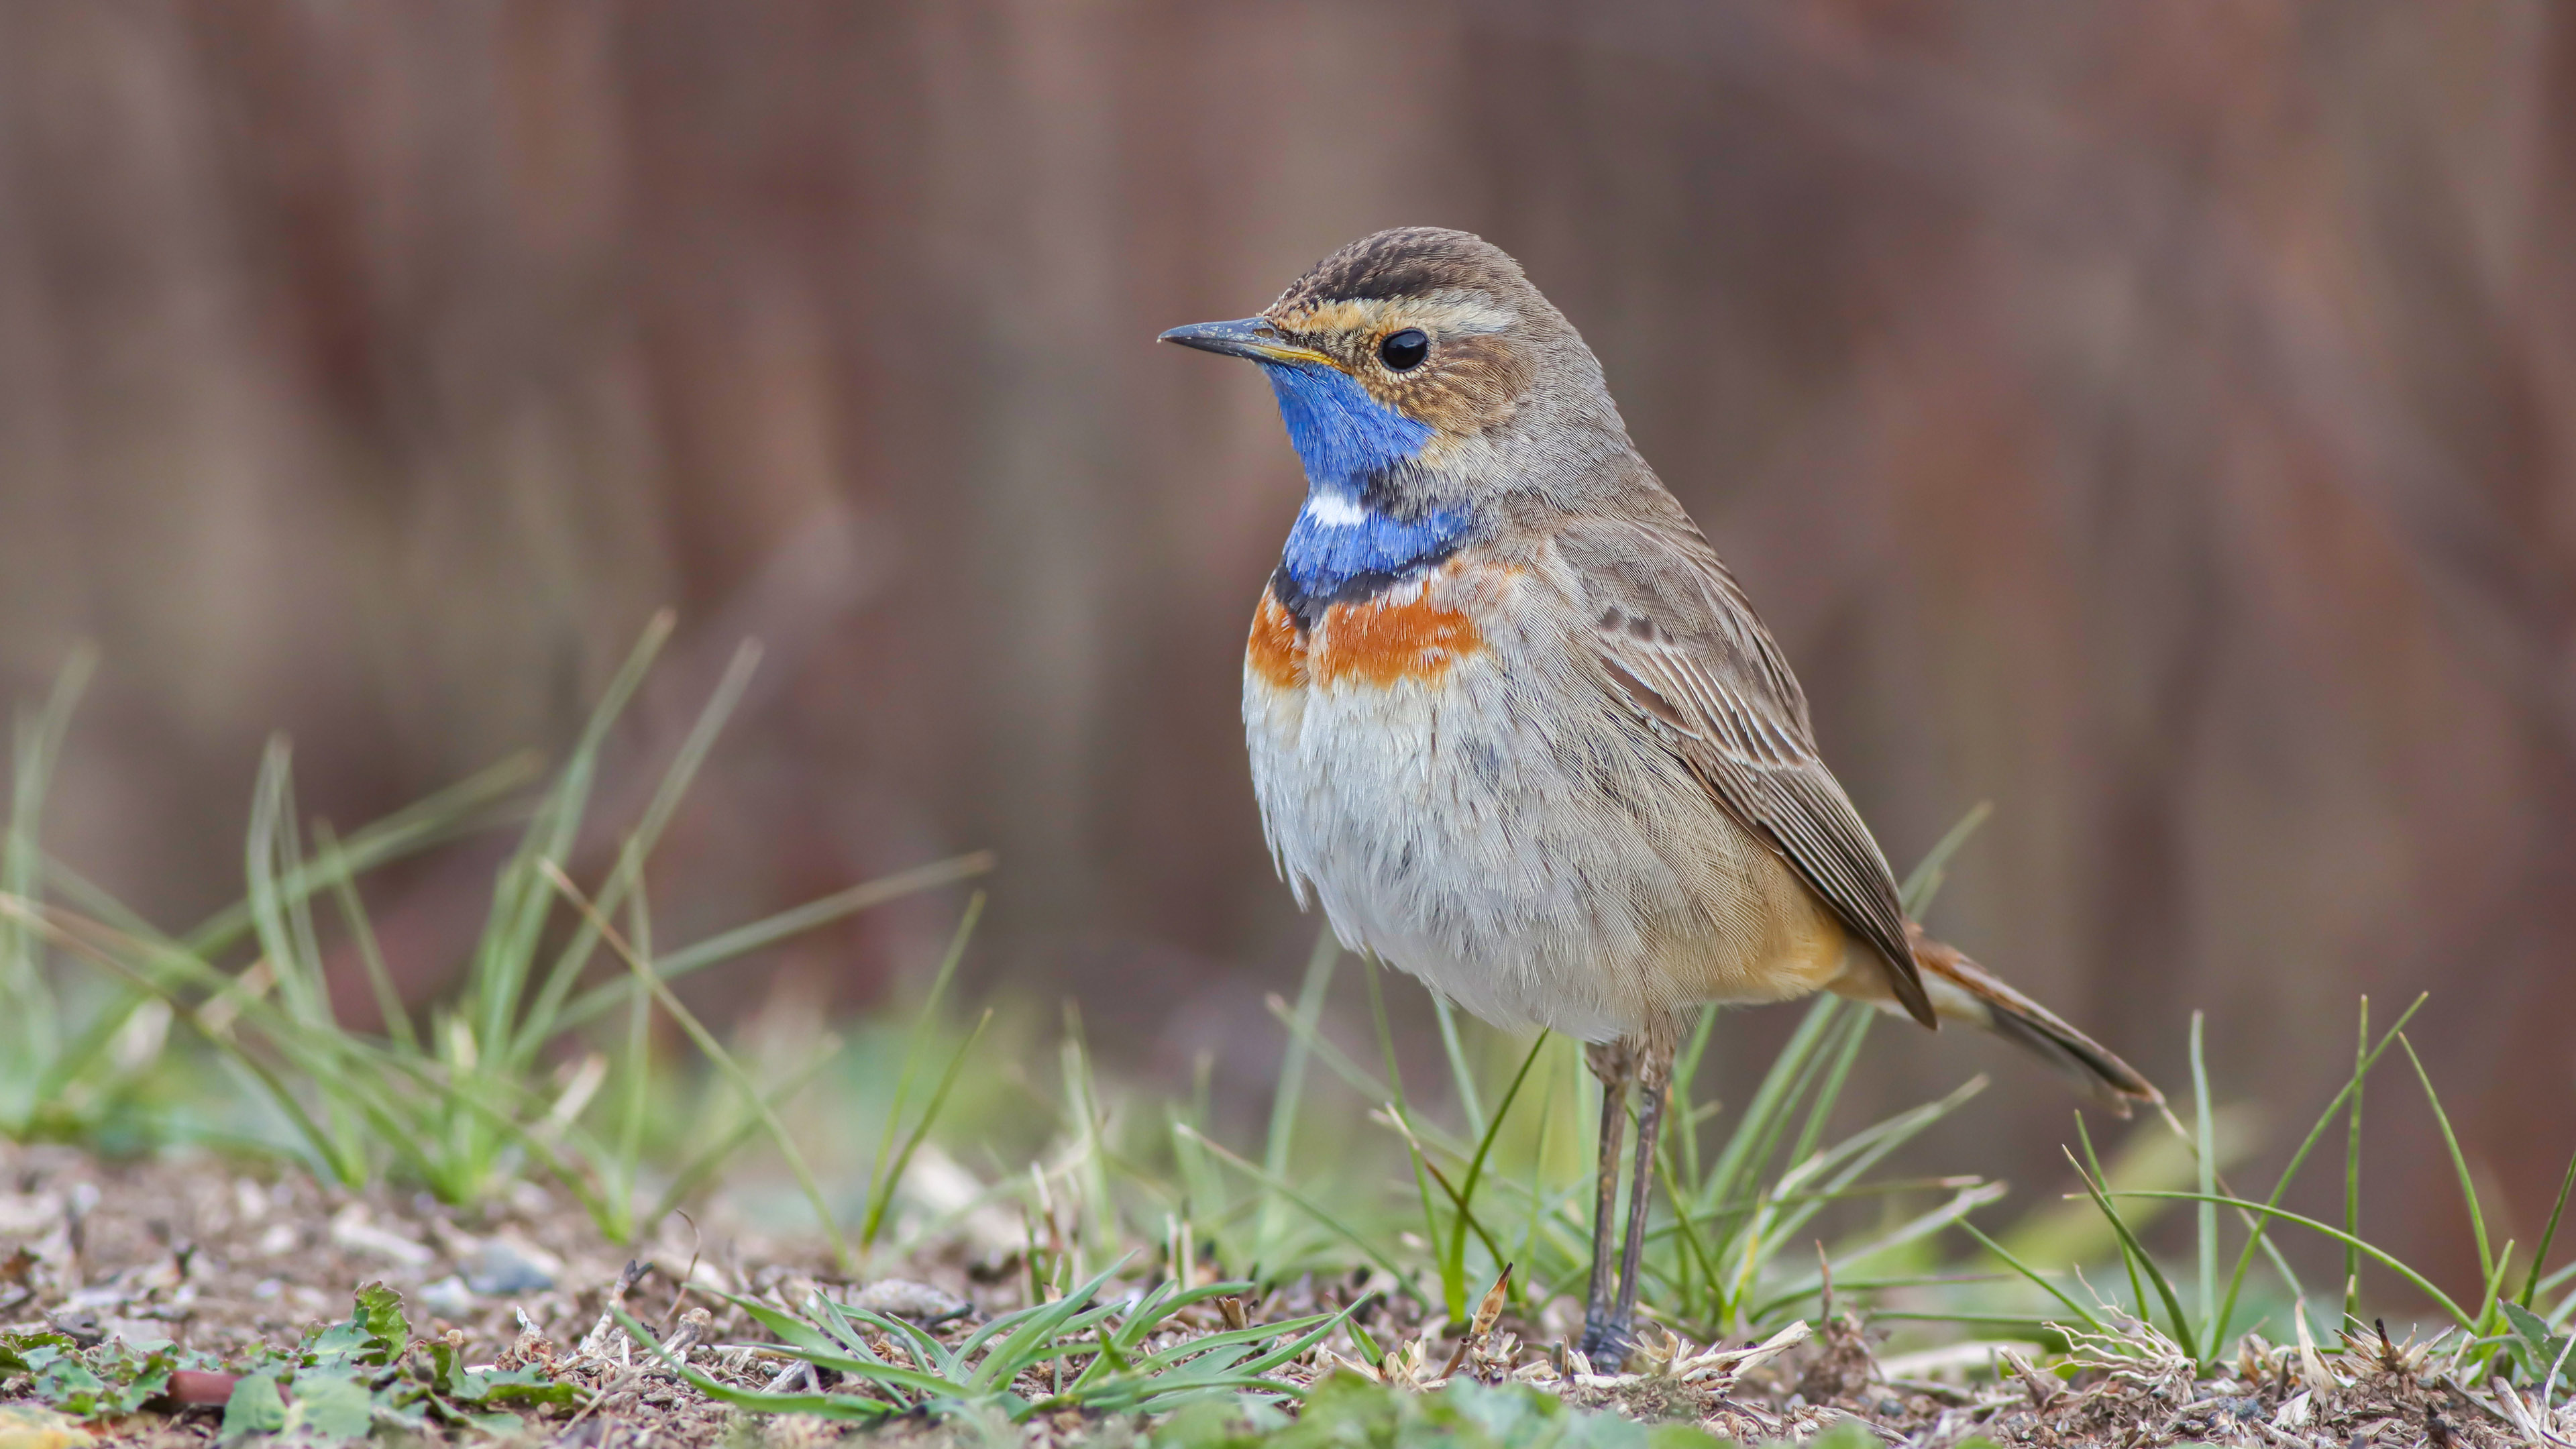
{"x": 1345, "y": 545}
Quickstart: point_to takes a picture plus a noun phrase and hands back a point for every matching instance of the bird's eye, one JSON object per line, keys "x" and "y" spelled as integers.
{"x": 1403, "y": 351}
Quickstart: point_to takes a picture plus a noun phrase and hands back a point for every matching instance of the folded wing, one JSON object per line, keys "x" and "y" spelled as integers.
{"x": 1680, "y": 646}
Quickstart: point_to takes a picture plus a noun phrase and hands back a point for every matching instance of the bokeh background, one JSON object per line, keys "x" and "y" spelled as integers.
{"x": 2157, "y": 419}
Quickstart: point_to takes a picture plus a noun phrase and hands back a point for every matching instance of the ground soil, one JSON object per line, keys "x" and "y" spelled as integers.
{"x": 217, "y": 1257}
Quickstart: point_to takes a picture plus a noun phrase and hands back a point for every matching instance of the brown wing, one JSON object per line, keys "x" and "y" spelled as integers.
{"x": 1681, "y": 646}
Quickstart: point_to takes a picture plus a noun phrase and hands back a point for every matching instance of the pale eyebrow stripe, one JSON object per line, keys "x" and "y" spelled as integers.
{"x": 1441, "y": 312}
{"x": 1459, "y": 312}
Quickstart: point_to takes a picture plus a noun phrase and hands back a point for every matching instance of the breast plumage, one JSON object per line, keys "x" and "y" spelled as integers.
{"x": 1433, "y": 820}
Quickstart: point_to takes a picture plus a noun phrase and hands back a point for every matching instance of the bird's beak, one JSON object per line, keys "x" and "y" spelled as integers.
{"x": 1250, "y": 337}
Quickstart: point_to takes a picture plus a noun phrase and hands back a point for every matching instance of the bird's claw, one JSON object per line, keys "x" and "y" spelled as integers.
{"x": 1606, "y": 1346}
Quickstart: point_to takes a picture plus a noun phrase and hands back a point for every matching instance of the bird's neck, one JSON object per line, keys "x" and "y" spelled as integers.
{"x": 1355, "y": 536}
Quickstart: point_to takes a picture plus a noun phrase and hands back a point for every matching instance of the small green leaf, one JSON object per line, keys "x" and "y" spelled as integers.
{"x": 255, "y": 1408}
{"x": 1366, "y": 1345}
{"x": 410, "y": 1413}
{"x": 27, "y": 1353}
{"x": 1846, "y": 1435}
{"x": 443, "y": 1367}
{"x": 114, "y": 1378}
{"x": 328, "y": 1408}
{"x": 341, "y": 1343}
{"x": 518, "y": 1386}
{"x": 2539, "y": 1348}
{"x": 379, "y": 1311}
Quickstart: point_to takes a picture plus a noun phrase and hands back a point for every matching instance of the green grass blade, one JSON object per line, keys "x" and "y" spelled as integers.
{"x": 2549, "y": 1234}
{"x": 1290, "y": 1091}
{"x": 1924, "y": 882}
{"x": 2205, "y": 1150}
{"x": 2261, "y": 1231}
{"x": 270, "y": 805}
{"x": 442, "y": 816}
{"x": 1476, "y": 1166}
{"x": 26, "y": 997}
{"x": 1461, "y": 1076}
{"x": 343, "y": 884}
{"x": 1842, "y": 1165}
{"x": 2351, "y": 1175}
{"x": 2459, "y": 1165}
{"x": 881, "y": 1193}
{"x": 1961, "y": 1203}
{"x": 1697, "y": 1260}
{"x": 790, "y": 1329}
{"x": 1366, "y": 1247}
{"x": 2377, "y": 1255}
{"x": 769, "y": 931}
{"x": 627, "y": 1166}
{"x": 2551, "y": 1284}
{"x": 522, "y": 902}
{"x": 2119, "y": 1236}
{"x": 2136, "y": 1250}
{"x": 1189, "y": 1349}
{"x": 1762, "y": 1232}
{"x": 1363, "y": 1084}
{"x": 1685, "y": 1113}
{"x": 298, "y": 907}
{"x": 930, "y": 1353}
{"x": 2033, "y": 1274}
{"x": 1090, "y": 1160}
{"x": 2491, "y": 1315}
{"x": 1537, "y": 1204}
{"x": 829, "y": 1406}
{"x": 880, "y": 1184}
{"x": 724, "y": 1061}
{"x": 264, "y": 1080}
{"x": 695, "y": 1173}
{"x": 1017, "y": 1351}
{"x": 974, "y": 1342}
{"x": 538, "y": 1025}
{"x": 1738, "y": 1162}
{"x": 293, "y": 963}
{"x": 1324, "y": 1324}
{"x": 1855, "y": 1031}
{"x": 1453, "y": 1291}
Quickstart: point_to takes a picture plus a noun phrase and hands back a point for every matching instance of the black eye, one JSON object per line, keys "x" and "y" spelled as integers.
{"x": 1404, "y": 351}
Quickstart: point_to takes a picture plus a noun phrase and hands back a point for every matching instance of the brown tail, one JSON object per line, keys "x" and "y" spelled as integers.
{"x": 1962, "y": 990}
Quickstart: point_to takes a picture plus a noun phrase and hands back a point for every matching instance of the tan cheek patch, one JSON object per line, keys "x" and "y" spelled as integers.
{"x": 1478, "y": 385}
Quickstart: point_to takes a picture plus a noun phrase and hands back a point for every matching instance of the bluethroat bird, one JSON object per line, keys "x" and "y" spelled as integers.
{"x": 1519, "y": 731}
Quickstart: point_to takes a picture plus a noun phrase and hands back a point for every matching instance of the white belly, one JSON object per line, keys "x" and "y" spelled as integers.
{"x": 1455, "y": 827}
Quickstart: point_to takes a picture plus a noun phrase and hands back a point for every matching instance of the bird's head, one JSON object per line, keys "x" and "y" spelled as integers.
{"x": 1417, "y": 369}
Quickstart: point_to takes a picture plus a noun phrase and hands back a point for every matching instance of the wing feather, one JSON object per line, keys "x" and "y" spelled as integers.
{"x": 1682, "y": 647}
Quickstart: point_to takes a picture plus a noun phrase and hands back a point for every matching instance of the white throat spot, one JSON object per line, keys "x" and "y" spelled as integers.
{"x": 1334, "y": 511}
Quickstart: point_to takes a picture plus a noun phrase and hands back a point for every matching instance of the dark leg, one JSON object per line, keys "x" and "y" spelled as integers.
{"x": 1610, "y": 1064}
{"x": 1654, "y": 1081}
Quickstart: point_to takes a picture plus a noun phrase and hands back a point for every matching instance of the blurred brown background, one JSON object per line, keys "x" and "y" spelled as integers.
{"x": 2157, "y": 418}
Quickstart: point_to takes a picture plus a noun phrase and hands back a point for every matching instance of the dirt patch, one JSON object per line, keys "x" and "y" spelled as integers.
{"x": 211, "y": 1258}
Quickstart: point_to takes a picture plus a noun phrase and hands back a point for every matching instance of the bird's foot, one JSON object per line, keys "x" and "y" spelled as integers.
{"x": 1607, "y": 1344}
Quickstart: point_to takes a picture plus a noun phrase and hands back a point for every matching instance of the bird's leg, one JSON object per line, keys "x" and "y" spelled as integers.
{"x": 1612, "y": 1063}
{"x": 1654, "y": 1072}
